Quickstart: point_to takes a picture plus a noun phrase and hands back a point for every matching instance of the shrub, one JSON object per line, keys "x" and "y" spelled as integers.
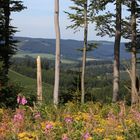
{"x": 8, "y": 95}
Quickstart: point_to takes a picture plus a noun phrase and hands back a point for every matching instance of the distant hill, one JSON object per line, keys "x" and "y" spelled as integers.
{"x": 69, "y": 48}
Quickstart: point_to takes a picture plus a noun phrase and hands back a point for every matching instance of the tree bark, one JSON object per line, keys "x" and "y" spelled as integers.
{"x": 39, "y": 80}
{"x": 134, "y": 97}
{"x": 84, "y": 53}
{"x": 57, "y": 55}
{"x": 116, "y": 67}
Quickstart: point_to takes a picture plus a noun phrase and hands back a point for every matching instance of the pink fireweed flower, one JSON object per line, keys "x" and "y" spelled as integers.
{"x": 86, "y": 136}
{"x": 23, "y": 101}
{"x": 49, "y": 126}
{"x": 68, "y": 119}
{"x": 18, "y": 117}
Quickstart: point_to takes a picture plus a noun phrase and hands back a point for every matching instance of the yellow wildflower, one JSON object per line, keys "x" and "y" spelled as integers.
{"x": 119, "y": 128}
{"x": 26, "y": 136}
{"x": 85, "y": 116}
{"x": 90, "y": 138}
{"x": 129, "y": 122}
{"x": 97, "y": 117}
{"x": 106, "y": 139}
{"x": 58, "y": 124}
{"x": 98, "y": 130}
{"x": 1, "y": 111}
{"x": 21, "y": 135}
{"x": 81, "y": 116}
{"x": 77, "y": 117}
{"x": 43, "y": 125}
{"x": 120, "y": 138}
{"x": 102, "y": 122}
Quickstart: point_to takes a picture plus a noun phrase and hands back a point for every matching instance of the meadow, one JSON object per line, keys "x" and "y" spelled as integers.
{"x": 90, "y": 121}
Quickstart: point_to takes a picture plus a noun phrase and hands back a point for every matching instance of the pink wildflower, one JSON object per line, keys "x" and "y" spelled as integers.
{"x": 86, "y": 136}
{"x": 23, "y": 101}
{"x": 18, "y": 117}
{"x": 49, "y": 126}
{"x": 68, "y": 119}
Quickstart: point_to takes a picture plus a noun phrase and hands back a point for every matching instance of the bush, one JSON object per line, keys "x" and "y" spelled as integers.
{"x": 8, "y": 95}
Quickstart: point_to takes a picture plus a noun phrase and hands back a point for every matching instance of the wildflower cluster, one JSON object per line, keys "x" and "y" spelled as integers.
{"x": 88, "y": 122}
{"x": 21, "y": 100}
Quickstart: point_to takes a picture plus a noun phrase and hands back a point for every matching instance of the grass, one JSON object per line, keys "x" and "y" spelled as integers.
{"x": 34, "y": 55}
{"x": 30, "y": 85}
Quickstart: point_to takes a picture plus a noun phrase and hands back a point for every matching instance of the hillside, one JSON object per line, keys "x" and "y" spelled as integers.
{"x": 29, "y": 85}
{"x": 69, "y": 48}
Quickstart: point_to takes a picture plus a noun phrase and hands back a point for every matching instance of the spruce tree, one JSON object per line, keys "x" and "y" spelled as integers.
{"x": 7, "y": 41}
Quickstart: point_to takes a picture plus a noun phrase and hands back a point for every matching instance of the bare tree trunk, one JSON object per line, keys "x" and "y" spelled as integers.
{"x": 39, "y": 80}
{"x": 116, "y": 67}
{"x": 57, "y": 55}
{"x": 84, "y": 53}
{"x": 133, "y": 59}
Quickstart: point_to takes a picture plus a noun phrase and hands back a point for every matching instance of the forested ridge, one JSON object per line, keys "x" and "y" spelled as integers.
{"x": 69, "y": 48}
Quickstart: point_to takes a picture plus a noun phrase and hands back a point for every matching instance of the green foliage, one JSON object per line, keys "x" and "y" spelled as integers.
{"x": 72, "y": 91}
{"x": 98, "y": 81}
{"x": 3, "y": 79}
{"x": 77, "y": 14}
{"x": 106, "y": 22}
{"x": 8, "y": 95}
{"x": 129, "y": 28}
{"x": 103, "y": 95}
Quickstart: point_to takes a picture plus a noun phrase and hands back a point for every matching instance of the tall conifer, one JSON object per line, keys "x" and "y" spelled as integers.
{"x": 7, "y": 31}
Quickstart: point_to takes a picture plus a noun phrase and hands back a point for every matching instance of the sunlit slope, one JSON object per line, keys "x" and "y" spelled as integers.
{"x": 30, "y": 85}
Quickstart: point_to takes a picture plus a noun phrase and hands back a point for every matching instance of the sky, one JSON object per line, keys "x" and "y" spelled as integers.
{"x": 37, "y": 21}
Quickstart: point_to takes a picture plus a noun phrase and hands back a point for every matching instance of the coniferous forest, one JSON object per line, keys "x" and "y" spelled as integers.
{"x": 65, "y": 89}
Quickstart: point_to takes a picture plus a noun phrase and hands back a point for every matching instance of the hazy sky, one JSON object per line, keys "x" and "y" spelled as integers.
{"x": 38, "y": 21}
